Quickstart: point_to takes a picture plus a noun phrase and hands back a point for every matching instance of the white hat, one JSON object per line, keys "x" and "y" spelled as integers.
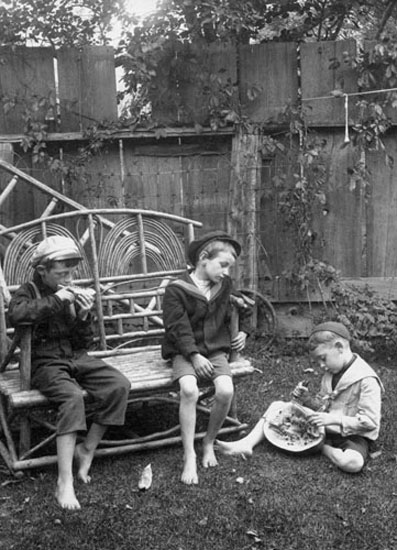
{"x": 56, "y": 248}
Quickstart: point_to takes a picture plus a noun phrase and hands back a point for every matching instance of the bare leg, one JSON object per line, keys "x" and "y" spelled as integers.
{"x": 84, "y": 452}
{"x": 64, "y": 493}
{"x": 244, "y": 446}
{"x": 349, "y": 461}
{"x": 187, "y": 418}
{"x": 220, "y": 408}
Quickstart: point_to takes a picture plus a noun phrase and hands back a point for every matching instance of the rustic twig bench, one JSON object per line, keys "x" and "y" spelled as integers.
{"x": 129, "y": 258}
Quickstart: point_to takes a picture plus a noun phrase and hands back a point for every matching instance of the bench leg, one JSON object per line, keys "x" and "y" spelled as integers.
{"x": 24, "y": 435}
{"x": 8, "y": 452}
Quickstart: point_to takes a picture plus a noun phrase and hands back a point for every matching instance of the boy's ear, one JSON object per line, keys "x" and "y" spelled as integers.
{"x": 203, "y": 255}
{"x": 40, "y": 269}
{"x": 339, "y": 345}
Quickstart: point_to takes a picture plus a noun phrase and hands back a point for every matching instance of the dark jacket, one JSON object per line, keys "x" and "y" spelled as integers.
{"x": 56, "y": 333}
{"x": 194, "y": 324}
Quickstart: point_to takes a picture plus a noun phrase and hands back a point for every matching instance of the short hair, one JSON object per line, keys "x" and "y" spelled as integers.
{"x": 324, "y": 337}
{"x": 214, "y": 247}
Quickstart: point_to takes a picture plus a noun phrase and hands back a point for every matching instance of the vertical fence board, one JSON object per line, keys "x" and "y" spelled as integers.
{"x": 319, "y": 80}
{"x": 25, "y": 74}
{"x": 87, "y": 86}
{"x": 205, "y": 185}
{"x": 213, "y": 75}
{"x": 339, "y": 223}
{"x": 164, "y": 93}
{"x": 268, "y": 79}
{"x": 382, "y": 212}
{"x": 184, "y": 94}
{"x": 276, "y": 239}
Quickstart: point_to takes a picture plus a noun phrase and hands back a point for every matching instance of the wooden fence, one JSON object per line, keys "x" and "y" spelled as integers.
{"x": 222, "y": 178}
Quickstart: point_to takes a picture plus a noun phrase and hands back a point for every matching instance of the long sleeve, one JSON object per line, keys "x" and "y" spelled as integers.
{"x": 51, "y": 318}
{"x": 25, "y": 309}
{"x": 177, "y": 323}
{"x": 368, "y": 413}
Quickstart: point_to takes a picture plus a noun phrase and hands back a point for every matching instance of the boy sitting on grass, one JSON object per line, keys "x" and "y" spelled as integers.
{"x": 61, "y": 366}
{"x": 348, "y": 405}
{"x": 196, "y": 312}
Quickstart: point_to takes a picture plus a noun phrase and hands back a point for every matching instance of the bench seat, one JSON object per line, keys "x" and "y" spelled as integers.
{"x": 145, "y": 369}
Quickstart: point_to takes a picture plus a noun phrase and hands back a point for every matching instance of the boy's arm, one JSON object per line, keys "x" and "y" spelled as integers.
{"x": 369, "y": 409}
{"x": 245, "y": 307}
{"x": 301, "y": 394}
{"x": 177, "y": 323}
{"x": 24, "y": 308}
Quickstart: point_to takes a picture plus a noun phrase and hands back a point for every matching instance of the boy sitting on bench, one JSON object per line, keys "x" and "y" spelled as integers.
{"x": 197, "y": 313}
{"x": 61, "y": 367}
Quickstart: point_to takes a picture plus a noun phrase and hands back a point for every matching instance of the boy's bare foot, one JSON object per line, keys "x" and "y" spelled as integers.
{"x": 209, "y": 458}
{"x": 84, "y": 460}
{"x": 233, "y": 448}
{"x": 65, "y": 496}
{"x": 189, "y": 474}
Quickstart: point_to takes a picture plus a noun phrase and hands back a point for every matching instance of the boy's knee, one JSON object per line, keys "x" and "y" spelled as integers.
{"x": 224, "y": 392}
{"x": 74, "y": 398}
{"x": 189, "y": 392}
{"x": 351, "y": 462}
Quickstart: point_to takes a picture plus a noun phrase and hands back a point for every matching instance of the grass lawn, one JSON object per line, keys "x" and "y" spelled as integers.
{"x": 272, "y": 501}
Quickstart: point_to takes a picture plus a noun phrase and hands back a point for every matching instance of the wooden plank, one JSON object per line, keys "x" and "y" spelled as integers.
{"x": 26, "y": 78}
{"x": 164, "y": 93}
{"x": 381, "y": 211}
{"x": 137, "y": 134}
{"x": 87, "y": 86}
{"x": 205, "y": 188}
{"x": 276, "y": 238}
{"x": 339, "y": 224}
{"x": 268, "y": 79}
{"x": 213, "y": 72}
{"x": 319, "y": 80}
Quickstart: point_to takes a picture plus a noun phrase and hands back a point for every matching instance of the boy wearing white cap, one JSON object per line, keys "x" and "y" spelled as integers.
{"x": 61, "y": 367}
{"x": 197, "y": 339}
{"x": 348, "y": 405}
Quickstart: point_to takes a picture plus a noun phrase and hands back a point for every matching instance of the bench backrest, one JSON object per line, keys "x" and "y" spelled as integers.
{"x": 129, "y": 256}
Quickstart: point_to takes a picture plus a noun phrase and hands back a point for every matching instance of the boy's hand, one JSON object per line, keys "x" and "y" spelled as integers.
{"x": 85, "y": 304}
{"x": 323, "y": 419}
{"x": 203, "y": 367}
{"x": 300, "y": 391}
{"x": 238, "y": 342}
{"x": 65, "y": 295}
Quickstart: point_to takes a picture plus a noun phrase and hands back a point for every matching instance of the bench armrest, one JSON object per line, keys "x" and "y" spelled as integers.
{"x": 23, "y": 339}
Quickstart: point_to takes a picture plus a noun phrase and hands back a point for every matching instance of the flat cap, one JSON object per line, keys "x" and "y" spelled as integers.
{"x": 332, "y": 326}
{"x": 56, "y": 248}
{"x": 198, "y": 245}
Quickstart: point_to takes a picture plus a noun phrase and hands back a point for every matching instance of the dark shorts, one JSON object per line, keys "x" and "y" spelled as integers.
{"x": 182, "y": 367}
{"x": 354, "y": 442}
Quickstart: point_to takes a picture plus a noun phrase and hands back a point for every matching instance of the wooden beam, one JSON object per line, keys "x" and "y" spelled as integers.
{"x": 159, "y": 133}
